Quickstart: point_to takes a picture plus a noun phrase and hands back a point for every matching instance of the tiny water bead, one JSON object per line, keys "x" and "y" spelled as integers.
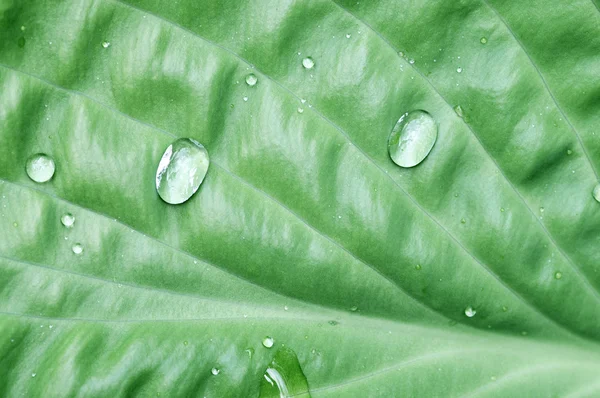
{"x": 284, "y": 377}
{"x": 459, "y": 69}
{"x": 300, "y": 110}
{"x": 40, "y": 167}
{"x": 483, "y": 40}
{"x": 558, "y": 275}
{"x": 470, "y": 312}
{"x": 181, "y": 170}
{"x": 412, "y": 138}
{"x": 308, "y": 63}
{"x": 77, "y": 248}
{"x": 354, "y": 308}
{"x": 268, "y": 342}
{"x": 596, "y": 193}
{"x": 251, "y": 79}
{"x": 105, "y": 44}
{"x": 67, "y": 220}
{"x": 459, "y": 111}
{"x": 418, "y": 267}
{"x": 215, "y": 371}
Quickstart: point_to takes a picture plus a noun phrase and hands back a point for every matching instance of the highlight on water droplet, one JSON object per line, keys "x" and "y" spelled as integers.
{"x": 558, "y": 275}
{"x": 215, "y": 371}
{"x": 181, "y": 170}
{"x": 268, "y": 342}
{"x": 105, "y": 44}
{"x": 504, "y": 308}
{"x": 483, "y": 40}
{"x": 308, "y": 63}
{"x": 300, "y": 110}
{"x": 33, "y": 374}
{"x": 596, "y": 193}
{"x": 459, "y": 111}
{"x": 77, "y": 248}
{"x": 459, "y": 69}
{"x": 67, "y": 220}
{"x": 251, "y": 79}
{"x": 412, "y": 138}
{"x": 40, "y": 167}
{"x": 470, "y": 312}
{"x": 284, "y": 377}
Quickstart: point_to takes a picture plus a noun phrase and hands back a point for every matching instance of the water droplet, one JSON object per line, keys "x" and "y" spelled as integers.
{"x": 569, "y": 152}
{"x": 185, "y": 342}
{"x": 412, "y": 138}
{"x": 354, "y": 308}
{"x": 418, "y": 267}
{"x": 251, "y": 79}
{"x": 308, "y": 63}
{"x": 33, "y": 374}
{"x": 245, "y": 99}
{"x": 470, "y": 312}
{"x": 181, "y": 170}
{"x": 463, "y": 221}
{"x": 105, "y": 44}
{"x": 215, "y": 371}
{"x": 77, "y": 248}
{"x": 268, "y": 342}
{"x": 502, "y": 209}
{"x": 300, "y": 110}
{"x": 40, "y": 167}
{"x": 596, "y": 193}
{"x": 348, "y": 35}
{"x": 411, "y": 61}
{"x": 541, "y": 209}
{"x": 67, "y": 220}
{"x": 483, "y": 40}
{"x": 284, "y": 377}
{"x": 250, "y": 352}
{"x": 15, "y": 224}
{"x": 285, "y": 307}
{"x": 333, "y": 323}
{"x": 557, "y": 275}
{"x": 459, "y": 111}
{"x": 504, "y": 308}
{"x": 23, "y": 28}
{"x": 401, "y": 53}
{"x": 459, "y": 69}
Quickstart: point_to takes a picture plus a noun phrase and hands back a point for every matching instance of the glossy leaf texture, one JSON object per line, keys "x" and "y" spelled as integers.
{"x": 303, "y": 230}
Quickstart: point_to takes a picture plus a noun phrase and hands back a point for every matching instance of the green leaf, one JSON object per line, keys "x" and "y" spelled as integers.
{"x": 303, "y": 230}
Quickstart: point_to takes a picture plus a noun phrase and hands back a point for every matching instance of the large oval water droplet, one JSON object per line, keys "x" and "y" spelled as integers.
{"x": 596, "y": 193}
{"x": 251, "y": 79}
{"x": 181, "y": 170}
{"x": 412, "y": 138}
{"x": 284, "y": 377}
{"x": 40, "y": 167}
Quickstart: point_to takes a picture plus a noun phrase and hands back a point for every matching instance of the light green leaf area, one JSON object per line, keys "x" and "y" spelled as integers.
{"x": 304, "y": 229}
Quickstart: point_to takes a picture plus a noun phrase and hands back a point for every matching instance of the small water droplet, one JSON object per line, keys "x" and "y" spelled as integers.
{"x": 284, "y": 377}
{"x": 470, "y": 312}
{"x": 569, "y": 152}
{"x": 558, "y": 275}
{"x": 185, "y": 342}
{"x": 250, "y": 352}
{"x": 493, "y": 378}
{"x": 33, "y": 374}
{"x": 285, "y": 307}
{"x": 15, "y": 224}
{"x": 105, "y": 44}
{"x": 67, "y": 220}
{"x": 541, "y": 209}
{"x": 268, "y": 342}
{"x": 504, "y": 308}
{"x": 251, "y": 79}
{"x": 411, "y": 61}
{"x": 215, "y": 371}
{"x": 459, "y": 69}
{"x": 502, "y": 209}
{"x": 348, "y": 35}
{"x": 23, "y": 28}
{"x": 333, "y": 323}
{"x": 40, "y": 167}
{"x": 77, "y": 248}
{"x": 181, "y": 170}
{"x": 459, "y": 111}
{"x": 300, "y": 110}
{"x": 483, "y": 40}
{"x": 596, "y": 193}
{"x": 354, "y": 308}
{"x": 308, "y": 63}
{"x": 401, "y": 53}
{"x": 412, "y": 138}
{"x": 463, "y": 221}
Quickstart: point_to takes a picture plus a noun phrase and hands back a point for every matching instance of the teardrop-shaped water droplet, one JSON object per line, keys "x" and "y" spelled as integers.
{"x": 215, "y": 371}
{"x": 470, "y": 312}
{"x": 181, "y": 170}
{"x": 251, "y": 79}
{"x": 77, "y": 248}
{"x": 40, "y": 167}
{"x": 308, "y": 63}
{"x": 412, "y": 138}
{"x": 284, "y": 377}
{"x": 596, "y": 193}
{"x": 268, "y": 342}
{"x": 67, "y": 220}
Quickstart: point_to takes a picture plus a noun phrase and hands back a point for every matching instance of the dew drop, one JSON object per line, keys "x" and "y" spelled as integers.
{"x": 77, "y": 248}
{"x": 181, "y": 170}
{"x": 251, "y": 79}
{"x": 40, "y": 167}
{"x": 348, "y": 35}
{"x": 418, "y": 267}
{"x": 300, "y": 110}
{"x": 23, "y": 28}
{"x": 558, "y": 275}
{"x": 463, "y": 221}
{"x": 105, "y": 44}
{"x": 308, "y": 63}
{"x": 285, "y": 308}
{"x": 483, "y": 40}
{"x": 470, "y": 312}
{"x": 542, "y": 209}
{"x": 284, "y": 377}
{"x": 569, "y": 152}
{"x": 504, "y": 308}
{"x": 215, "y": 371}
{"x": 33, "y": 374}
{"x": 412, "y": 138}
{"x": 459, "y": 111}
{"x": 502, "y": 209}
{"x": 268, "y": 342}
{"x": 596, "y": 193}
{"x": 354, "y": 308}
{"x": 411, "y": 61}
{"x": 67, "y": 220}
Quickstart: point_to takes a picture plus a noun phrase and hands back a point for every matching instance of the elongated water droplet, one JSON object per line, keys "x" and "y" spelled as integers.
{"x": 470, "y": 312}
{"x": 308, "y": 63}
{"x": 284, "y": 377}
{"x": 268, "y": 342}
{"x": 596, "y": 193}
{"x": 251, "y": 79}
{"x": 40, "y": 167}
{"x": 181, "y": 170}
{"x": 215, "y": 371}
{"x": 459, "y": 111}
{"x": 412, "y": 138}
{"x": 77, "y": 248}
{"x": 67, "y": 220}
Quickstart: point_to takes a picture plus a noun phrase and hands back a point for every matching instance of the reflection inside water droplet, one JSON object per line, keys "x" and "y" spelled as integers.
{"x": 77, "y": 248}
{"x": 412, "y": 138}
{"x": 40, "y": 167}
{"x": 308, "y": 63}
{"x": 215, "y": 371}
{"x": 470, "y": 312}
{"x": 284, "y": 377}
{"x": 268, "y": 342}
{"x": 251, "y": 79}
{"x": 67, "y": 220}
